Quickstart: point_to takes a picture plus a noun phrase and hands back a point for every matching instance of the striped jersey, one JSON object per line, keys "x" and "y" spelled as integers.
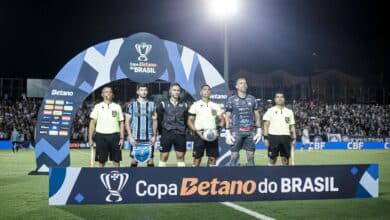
{"x": 141, "y": 114}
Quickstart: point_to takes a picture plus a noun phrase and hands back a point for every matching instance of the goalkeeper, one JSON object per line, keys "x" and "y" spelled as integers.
{"x": 243, "y": 123}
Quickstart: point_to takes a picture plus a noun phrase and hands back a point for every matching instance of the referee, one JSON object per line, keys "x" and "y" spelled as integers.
{"x": 279, "y": 130}
{"x": 107, "y": 120}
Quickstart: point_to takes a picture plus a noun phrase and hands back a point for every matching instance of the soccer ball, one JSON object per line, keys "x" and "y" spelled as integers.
{"x": 210, "y": 134}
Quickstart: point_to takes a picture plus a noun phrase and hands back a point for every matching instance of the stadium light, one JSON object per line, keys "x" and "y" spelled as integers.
{"x": 224, "y": 9}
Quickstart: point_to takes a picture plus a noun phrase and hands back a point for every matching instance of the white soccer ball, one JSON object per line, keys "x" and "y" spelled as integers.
{"x": 210, "y": 134}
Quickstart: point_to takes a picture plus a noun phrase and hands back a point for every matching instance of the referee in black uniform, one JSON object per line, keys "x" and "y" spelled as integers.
{"x": 279, "y": 130}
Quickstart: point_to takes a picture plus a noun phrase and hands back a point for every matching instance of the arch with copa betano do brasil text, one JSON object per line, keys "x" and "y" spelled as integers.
{"x": 142, "y": 58}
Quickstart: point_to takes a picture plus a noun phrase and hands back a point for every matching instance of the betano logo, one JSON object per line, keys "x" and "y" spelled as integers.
{"x": 61, "y": 92}
{"x": 191, "y": 186}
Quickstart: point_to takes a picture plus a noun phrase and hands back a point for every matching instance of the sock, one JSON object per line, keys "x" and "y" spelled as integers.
{"x": 162, "y": 164}
{"x": 181, "y": 164}
{"x": 234, "y": 159}
{"x": 251, "y": 160}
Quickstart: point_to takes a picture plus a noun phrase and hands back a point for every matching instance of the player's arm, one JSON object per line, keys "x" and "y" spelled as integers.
{"x": 154, "y": 126}
{"x": 221, "y": 121}
{"x": 257, "y": 137}
{"x": 257, "y": 119}
{"x": 128, "y": 129}
{"x": 160, "y": 116}
{"x": 266, "y": 128}
{"x": 293, "y": 131}
{"x": 265, "y": 132}
{"x": 191, "y": 122}
{"x": 91, "y": 131}
{"x": 228, "y": 115}
{"x": 191, "y": 125}
{"x": 121, "y": 128}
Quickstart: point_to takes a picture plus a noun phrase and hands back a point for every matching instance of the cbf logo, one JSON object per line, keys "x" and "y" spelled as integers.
{"x": 143, "y": 50}
{"x": 114, "y": 183}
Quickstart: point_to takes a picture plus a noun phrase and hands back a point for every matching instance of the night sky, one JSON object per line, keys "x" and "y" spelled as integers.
{"x": 39, "y": 37}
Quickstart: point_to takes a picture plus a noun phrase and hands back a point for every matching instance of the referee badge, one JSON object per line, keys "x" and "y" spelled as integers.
{"x": 287, "y": 119}
{"x": 114, "y": 113}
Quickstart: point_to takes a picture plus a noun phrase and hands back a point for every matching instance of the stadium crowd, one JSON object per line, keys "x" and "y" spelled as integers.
{"x": 353, "y": 120}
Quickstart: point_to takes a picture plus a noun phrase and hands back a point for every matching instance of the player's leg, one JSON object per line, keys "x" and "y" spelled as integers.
{"x": 114, "y": 150}
{"x": 250, "y": 147}
{"x": 101, "y": 154}
{"x": 235, "y": 150}
{"x": 150, "y": 162}
{"x": 198, "y": 150}
{"x": 273, "y": 150}
{"x": 133, "y": 162}
{"x": 13, "y": 146}
{"x": 212, "y": 152}
{"x": 285, "y": 149}
{"x": 166, "y": 145}
{"x": 180, "y": 148}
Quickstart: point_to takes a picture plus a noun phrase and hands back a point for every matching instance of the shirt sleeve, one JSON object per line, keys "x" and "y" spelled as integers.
{"x": 120, "y": 113}
{"x": 129, "y": 110}
{"x": 219, "y": 110}
{"x": 255, "y": 104}
{"x": 267, "y": 116}
{"x": 94, "y": 113}
{"x": 160, "y": 108}
{"x": 192, "y": 110}
{"x": 292, "y": 119}
{"x": 229, "y": 105}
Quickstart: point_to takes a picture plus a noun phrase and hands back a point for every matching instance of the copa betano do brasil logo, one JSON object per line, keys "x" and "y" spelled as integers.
{"x": 193, "y": 186}
{"x": 142, "y": 66}
{"x": 142, "y": 58}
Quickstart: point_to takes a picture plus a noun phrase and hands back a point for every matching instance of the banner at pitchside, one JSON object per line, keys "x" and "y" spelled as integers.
{"x": 211, "y": 184}
{"x": 338, "y": 146}
{"x": 142, "y": 58}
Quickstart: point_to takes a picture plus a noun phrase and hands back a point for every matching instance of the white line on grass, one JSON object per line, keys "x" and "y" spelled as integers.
{"x": 247, "y": 211}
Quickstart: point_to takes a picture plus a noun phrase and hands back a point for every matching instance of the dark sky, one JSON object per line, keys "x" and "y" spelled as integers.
{"x": 39, "y": 37}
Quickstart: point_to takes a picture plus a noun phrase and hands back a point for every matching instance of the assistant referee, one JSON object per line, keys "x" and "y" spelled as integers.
{"x": 279, "y": 130}
{"x": 107, "y": 119}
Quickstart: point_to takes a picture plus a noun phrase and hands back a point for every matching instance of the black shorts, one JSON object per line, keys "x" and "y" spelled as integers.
{"x": 201, "y": 145}
{"x": 131, "y": 149}
{"x": 169, "y": 138}
{"x": 107, "y": 145}
{"x": 279, "y": 145}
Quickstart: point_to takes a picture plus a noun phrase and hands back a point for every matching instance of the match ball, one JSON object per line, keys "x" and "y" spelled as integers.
{"x": 210, "y": 134}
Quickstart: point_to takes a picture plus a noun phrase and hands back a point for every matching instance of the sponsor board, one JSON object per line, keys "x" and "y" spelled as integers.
{"x": 211, "y": 184}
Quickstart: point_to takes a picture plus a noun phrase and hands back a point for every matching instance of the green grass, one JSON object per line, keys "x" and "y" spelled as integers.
{"x": 26, "y": 197}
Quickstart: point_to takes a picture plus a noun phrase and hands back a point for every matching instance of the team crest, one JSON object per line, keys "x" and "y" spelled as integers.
{"x": 142, "y": 152}
{"x": 213, "y": 112}
{"x": 287, "y": 119}
{"x": 114, "y": 113}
